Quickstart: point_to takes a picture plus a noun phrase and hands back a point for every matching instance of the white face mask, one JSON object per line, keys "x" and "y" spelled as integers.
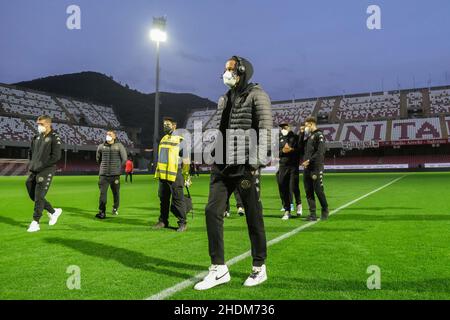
{"x": 284, "y": 132}
{"x": 41, "y": 129}
{"x": 229, "y": 79}
{"x": 109, "y": 138}
{"x": 307, "y": 130}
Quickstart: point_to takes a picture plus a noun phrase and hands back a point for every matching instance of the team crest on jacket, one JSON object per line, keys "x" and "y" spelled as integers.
{"x": 40, "y": 179}
{"x": 47, "y": 139}
{"x": 246, "y": 184}
{"x": 116, "y": 181}
{"x": 314, "y": 177}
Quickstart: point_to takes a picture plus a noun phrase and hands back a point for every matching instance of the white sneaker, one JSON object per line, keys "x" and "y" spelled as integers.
{"x": 54, "y": 217}
{"x": 258, "y": 276}
{"x": 286, "y": 215}
{"x": 282, "y": 209}
{"x": 299, "y": 210}
{"x": 218, "y": 274}
{"x": 226, "y": 214}
{"x": 34, "y": 227}
{"x": 241, "y": 211}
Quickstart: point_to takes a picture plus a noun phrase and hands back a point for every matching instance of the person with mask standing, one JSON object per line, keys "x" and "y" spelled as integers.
{"x": 313, "y": 164}
{"x": 44, "y": 153}
{"x": 111, "y": 155}
{"x": 245, "y": 107}
{"x": 171, "y": 177}
{"x": 288, "y": 174}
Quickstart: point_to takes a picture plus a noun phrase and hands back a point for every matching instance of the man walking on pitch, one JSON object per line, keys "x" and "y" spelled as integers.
{"x": 244, "y": 109}
{"x": 288, "y": 171}
{"x": 45, "y": 152}
{"x": 313, "y": 164}
{"x": 111, "y": 155}
{"x": 171, "y": 177}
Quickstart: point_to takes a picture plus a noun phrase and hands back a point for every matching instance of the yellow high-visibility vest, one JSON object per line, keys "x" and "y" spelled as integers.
{"x": 168, "y": 158}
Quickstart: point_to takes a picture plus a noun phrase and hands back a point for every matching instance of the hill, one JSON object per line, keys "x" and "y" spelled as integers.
{"x": 135, "y": 109}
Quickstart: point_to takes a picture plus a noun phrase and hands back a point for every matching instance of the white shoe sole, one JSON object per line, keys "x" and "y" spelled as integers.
{"x": 225, "y": 278}
{"x": 33, "y": 230}
{"x": 54, "y": 217}
{"x": 254, "y": 284}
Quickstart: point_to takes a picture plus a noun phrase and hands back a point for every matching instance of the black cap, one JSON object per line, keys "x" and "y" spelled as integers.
{"x": 283, "y": 124}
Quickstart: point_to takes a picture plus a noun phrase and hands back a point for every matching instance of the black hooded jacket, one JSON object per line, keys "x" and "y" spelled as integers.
{"x": 247, "y": 106}
{"x": 45, "y": 151}
{"x": 292, "y": 158}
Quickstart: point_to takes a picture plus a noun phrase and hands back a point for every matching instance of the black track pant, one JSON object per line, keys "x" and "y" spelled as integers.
{"x": 220, "y": 189}
{"x": 238, "y": 198}
{"x": 103, "y": 183}
{"x": 313, "y": 181}
{"x": 37, "y": 186}
{"x": 288, "y": 183}
{"x": 131, "y": 177}
{"x": 174, "y": 190}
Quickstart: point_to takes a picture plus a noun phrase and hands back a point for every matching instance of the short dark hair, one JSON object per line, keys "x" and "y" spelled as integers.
{"x": 45, "y": 118}
{"x": 170, "y": 119}
{"x": 111, "y": 130}
{"x": 311, "y": 119}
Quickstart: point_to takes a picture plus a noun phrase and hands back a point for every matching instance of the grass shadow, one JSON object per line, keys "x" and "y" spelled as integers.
{"x": 12, "y": 222}
{"x": 128, "y": 258}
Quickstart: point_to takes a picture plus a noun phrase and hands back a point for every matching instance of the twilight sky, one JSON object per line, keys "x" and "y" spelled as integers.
{"x": 298, "y": 48}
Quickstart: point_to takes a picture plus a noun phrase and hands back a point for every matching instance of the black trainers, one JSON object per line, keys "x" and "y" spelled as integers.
{"x": 100, "y": 215}
{"x": 325, "y": 215}
{"x": 182, "y": 227}
{"x": 311, "y": 218}
{"x": 160, "y": 225}
{"x": 115, "y": 211}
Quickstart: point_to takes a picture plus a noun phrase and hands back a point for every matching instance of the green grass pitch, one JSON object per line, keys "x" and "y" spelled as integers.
{"x": 404, "y": 229}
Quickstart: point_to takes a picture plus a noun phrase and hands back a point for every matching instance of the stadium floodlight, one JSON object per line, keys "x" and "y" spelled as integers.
{"x": 157, "y": 34}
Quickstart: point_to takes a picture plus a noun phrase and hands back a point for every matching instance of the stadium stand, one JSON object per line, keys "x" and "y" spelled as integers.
{"x": 292, "y": 113}
{"x": 91, "y": 115}
{"x": 14, "y": 129}
{"x": 19, "y": 109}
{"x": 371, "y": 107}
{"x": 416, "y": 129}
{"x": 414, "y": 100}
{"x": 203, "y": 116}
{"x": 440, "y": 101}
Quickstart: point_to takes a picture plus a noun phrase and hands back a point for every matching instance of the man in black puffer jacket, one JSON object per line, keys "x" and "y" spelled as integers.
{"x": 247, "y": 108}
{"x": 112, "y": 156}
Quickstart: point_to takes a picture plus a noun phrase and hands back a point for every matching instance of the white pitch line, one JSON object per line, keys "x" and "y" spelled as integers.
{"x": 189, "y": 282}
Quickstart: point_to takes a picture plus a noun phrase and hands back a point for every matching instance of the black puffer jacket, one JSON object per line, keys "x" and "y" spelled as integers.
{"x": 111, "y": 157}
{"x": 246, "y": 107}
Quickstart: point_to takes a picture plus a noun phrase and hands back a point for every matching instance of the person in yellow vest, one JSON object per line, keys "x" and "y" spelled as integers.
{"x": 171, "y": 177}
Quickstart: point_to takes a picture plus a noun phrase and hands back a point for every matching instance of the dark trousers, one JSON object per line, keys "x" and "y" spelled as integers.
{"x": 288, "y": 184}
{"x": 37, "y": 186}
{"x": 238, "y": 198}
{"x": 313, "y": 181}
{"x": 103, "y": 183}
{"x": 131, "y": 176}
{"x": 174, "y": 190}
{"x": 220, "y": 188}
